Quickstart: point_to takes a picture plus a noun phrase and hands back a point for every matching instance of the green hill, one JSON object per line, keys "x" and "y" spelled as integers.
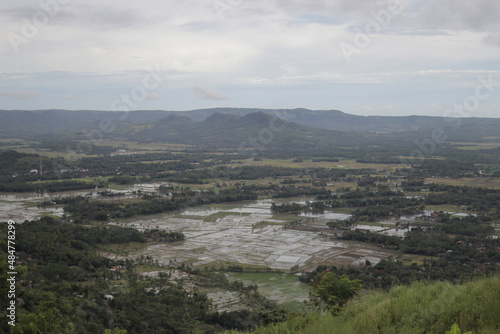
{"x": 420, "y": 308}
{"x": 255, "y": 131}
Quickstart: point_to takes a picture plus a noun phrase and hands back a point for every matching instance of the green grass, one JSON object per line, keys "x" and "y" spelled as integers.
{"x": 214, "y": 216}
{"x": 179, "y": 216}
{"x": 345, "y": 210}
{"x": 122, "y": 249}
{"x": 285, "y": 290}
{"x": 418, "y": 309}
{"x": 375, "y": 224}
{"x": 294, "y": 306}
{"x": 267, "y": 278}
{"x": 112, "y": 250}
{"x": 343, "y": 164}
{"x": 247, "y": 267}
{"x": 483, "y": 182}
{"x": 222, "y": 206}
{"x": 289, "y": 217}
{"x": 80, "y": 179}
{"x": 476, "y": 146}
{"x": 144, "y": 268}
{"x": 266, "y": 223}
{"x": 444, "y": 207}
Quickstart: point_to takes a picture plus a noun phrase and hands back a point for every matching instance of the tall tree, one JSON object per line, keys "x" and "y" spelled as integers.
{"x": 333, "y": 291}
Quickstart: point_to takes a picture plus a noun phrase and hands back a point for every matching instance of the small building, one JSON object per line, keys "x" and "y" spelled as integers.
{"x": 118, "y": 268}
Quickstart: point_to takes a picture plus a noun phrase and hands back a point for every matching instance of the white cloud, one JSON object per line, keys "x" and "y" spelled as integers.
{"x": 207, "y": 93}
{"x": 492, "y": 39}
{"x": 74, "y": 98}
{"x": 20, "y": 94}
{"x": 273, "y": 44}
{"x": 460, "y": 15}
{"x": 152, "y": 97}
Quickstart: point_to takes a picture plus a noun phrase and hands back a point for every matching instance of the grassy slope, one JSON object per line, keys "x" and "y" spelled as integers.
{"x": 421, "y": 308}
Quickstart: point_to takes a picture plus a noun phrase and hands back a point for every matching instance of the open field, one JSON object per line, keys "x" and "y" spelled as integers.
{"x": 348, "y": 164}
{"x": 408, "y": 158}
{"x": 446, "y": 208}
{"x": 484, "y": 182}
{"x": 146, "y": 148}
{"x": 67, "y": 154}
{"x": 123, "y": 249}
{"x": 80, "y": 179}
{"x": 412, "y": 258}
{"x": 475, "y": 146}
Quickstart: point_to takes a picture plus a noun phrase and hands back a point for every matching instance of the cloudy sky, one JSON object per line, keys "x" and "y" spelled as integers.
{"x": 365, "y": 57}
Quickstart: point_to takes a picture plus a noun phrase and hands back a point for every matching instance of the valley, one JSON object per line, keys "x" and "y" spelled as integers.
{"x": 252, "y": 229}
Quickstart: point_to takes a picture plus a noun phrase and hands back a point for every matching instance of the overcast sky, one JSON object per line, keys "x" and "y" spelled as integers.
{"x": 364, "y": 57}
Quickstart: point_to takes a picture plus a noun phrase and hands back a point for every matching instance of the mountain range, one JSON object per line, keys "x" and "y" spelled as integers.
{"x": 235, "y": 127}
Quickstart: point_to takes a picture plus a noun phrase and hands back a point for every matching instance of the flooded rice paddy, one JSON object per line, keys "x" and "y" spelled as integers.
{"x": 242, "y": 233}
{"x": 248, "y": 233}
{"x": 21, "y": 207}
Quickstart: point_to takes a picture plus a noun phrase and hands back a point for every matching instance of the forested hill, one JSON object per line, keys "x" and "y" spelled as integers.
{"x": 252, "y": 131}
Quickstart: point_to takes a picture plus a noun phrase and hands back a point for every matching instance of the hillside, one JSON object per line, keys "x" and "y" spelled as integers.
{"x": 333, "y": 119}
{"x": 254, "y": 131}
{"x": 420, "y": 308}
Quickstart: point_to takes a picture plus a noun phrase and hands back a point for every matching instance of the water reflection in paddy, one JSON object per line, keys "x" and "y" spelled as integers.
{"x": 23, "y": 206}
{"x": 235, "y": 233}
{"x": 231, "y": 232}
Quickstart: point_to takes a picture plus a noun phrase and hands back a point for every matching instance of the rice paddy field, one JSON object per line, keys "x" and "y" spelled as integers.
{"x": 286, "y": 290}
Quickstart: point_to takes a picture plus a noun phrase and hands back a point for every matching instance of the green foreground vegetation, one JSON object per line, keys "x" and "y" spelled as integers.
{"x": 417, "y": 309}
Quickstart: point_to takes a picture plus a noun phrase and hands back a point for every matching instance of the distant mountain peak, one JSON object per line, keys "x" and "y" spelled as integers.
{"x": 220, "y": 117}
{"x": 258, "y": 116}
